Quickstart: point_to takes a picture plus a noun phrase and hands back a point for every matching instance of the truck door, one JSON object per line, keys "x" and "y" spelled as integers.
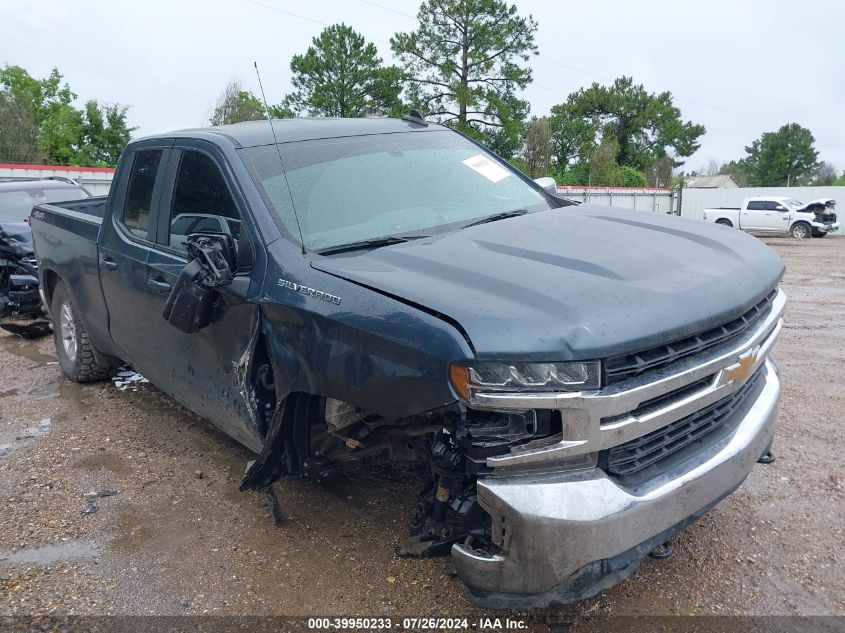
{"x": 127, "y": 235}
{"x": 777, "y": 217}
{"x": 752, "y": 217}
{"x": 200, "y": 370}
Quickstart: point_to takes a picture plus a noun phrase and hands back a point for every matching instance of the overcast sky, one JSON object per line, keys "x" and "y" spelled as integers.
{"x": 741, "y": 68}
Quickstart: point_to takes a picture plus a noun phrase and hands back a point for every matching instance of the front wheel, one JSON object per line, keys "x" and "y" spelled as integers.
{"x": 800, "y": 230}
{"x": 75, "y": 352}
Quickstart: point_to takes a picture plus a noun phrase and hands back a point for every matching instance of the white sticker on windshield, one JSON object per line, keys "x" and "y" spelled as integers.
{"x": 493, "y": 172}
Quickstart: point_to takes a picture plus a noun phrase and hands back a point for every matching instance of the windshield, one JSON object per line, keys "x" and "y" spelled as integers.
{"x": 351, "y": 189}
{"x": 792, "y": 202}
{"x": 15, "y": 205}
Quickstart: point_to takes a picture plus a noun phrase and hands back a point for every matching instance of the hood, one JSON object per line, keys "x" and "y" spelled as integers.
{"x": 819, "y": 205}
{"x": 17, "y": 236}
{"x": 573, "y": 283}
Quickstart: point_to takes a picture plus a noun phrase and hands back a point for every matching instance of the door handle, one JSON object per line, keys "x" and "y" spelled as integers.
{"x": 158, "y": 286}
{"x": 109, "y": 263}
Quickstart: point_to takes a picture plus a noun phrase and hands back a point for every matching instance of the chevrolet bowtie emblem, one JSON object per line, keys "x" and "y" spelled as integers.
{"x": 740, "y": 371}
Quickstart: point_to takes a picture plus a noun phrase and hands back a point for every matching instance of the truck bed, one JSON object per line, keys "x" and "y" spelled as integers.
{"x": 65, "y": 240}
{"x": 94, "y": 206}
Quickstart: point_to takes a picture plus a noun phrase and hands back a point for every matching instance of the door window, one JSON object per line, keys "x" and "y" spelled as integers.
{"x": 201, "y": 202}
{"x": 139, "y": 195}
{"x": 756, "y": 205}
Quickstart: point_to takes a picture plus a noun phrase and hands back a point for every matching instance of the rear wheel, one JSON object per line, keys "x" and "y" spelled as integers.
{"x": 75, "y": 352}
{"x": 724, "y": 222}
{"x": 801, "y": 230}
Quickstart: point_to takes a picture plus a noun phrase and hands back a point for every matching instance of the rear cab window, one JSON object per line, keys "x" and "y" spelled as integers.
{"x": 756, "y": 205}
{"x": 135, "y": 215}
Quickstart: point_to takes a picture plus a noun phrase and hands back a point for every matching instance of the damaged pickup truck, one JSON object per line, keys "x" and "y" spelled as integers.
{"x": 578, "y": 383}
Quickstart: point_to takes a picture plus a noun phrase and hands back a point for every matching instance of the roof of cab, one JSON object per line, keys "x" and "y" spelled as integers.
{"x": 255, "y": 133}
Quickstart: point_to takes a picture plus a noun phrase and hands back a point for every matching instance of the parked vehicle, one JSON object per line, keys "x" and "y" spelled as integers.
{"x": 576, "y": 383}
{"x": 21, "y": 309}
{"x": 825, "y": 211}
{"x": 778, "y": 215}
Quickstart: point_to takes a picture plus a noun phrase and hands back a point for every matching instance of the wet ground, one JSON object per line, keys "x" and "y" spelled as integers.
{"x": 118, "y": 501}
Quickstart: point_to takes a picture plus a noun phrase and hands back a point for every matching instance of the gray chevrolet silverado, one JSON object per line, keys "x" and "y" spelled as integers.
{"x": 574, "y": 383}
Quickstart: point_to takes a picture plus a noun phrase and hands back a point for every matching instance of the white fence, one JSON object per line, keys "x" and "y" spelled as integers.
{"x": 694, "y": 201}
{"x": 656, "y": 200}
{"x": 97, "y": 180}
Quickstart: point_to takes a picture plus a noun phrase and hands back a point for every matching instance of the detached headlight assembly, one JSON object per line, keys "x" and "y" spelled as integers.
{"x": 535, "y": 377}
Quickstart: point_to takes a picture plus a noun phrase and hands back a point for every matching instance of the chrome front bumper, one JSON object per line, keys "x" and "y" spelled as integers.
{"x": 553, "y": 526}
{"x": 563, "y": 529}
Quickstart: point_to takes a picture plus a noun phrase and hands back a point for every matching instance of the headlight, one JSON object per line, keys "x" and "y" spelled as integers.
{"x": 493, "y": 376}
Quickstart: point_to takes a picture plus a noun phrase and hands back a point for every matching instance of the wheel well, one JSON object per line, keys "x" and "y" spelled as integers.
{"x": 724, "y": 221}
{"x": 50, "y": 278}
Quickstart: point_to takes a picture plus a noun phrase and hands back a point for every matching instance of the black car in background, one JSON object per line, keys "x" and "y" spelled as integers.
{"x": 21, "y": 309}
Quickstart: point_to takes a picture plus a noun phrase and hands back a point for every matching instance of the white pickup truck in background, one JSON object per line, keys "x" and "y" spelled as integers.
{"x": 775, "y": 214}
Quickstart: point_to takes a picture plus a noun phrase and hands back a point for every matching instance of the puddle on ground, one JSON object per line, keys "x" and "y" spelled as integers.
{"x": 29, "y": 350}
{"x": 9, "y": 440}
{"x": 49, "y": 554}
{"x": 48, "y": 390}
{"x": 106, "y": 460}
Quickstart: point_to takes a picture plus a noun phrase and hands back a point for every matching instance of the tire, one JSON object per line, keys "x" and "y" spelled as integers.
{"x": 74, "y": 350}
{"x": 724, "y": 222}
{"x": 31, "y": 331}
{"x": 801, "y": 230}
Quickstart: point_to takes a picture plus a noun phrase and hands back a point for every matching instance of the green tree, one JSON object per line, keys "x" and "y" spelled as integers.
{"x": 341, "y": 75}
{"x": 538, "y": 148}
{"x": 780, "y": 158}
{"x": 19, "y": 135}
{"x": 52, "y": 129}
{"x": 465, "y": 64}
{"x": 824, "y": 175}
{"x": 104, "y": 133}
{"x": 234, "y": 105}
{"x": 737, "y": 170}
{"x": 601, "y": 169}
{"x": 61, "y": 134}
{"x": 40, "y": 96}
{"x": 841, "y": 180}
{"x": 645, "y": 125}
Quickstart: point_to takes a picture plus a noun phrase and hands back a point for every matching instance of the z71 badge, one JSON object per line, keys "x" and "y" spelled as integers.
{"x": 311, "y": 292}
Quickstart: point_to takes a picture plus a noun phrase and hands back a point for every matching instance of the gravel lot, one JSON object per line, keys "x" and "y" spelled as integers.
{"x": 173, "y": 535}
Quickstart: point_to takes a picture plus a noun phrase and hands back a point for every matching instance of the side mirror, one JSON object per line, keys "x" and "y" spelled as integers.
{"x": 216, "y": 254}
{"x": 548, "y": 183}
{"x": 190, "y": 306}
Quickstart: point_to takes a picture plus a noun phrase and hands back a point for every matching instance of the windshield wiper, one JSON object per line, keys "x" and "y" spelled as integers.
{"x": 504, "y": 215}
{"x": 376, "y": 242}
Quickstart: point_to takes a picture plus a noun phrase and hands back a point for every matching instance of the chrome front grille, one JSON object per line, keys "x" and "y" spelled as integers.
{"x": 643, "y": 458}
{"x": 625, "y": 366}
{"x": 595, "y": 422}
